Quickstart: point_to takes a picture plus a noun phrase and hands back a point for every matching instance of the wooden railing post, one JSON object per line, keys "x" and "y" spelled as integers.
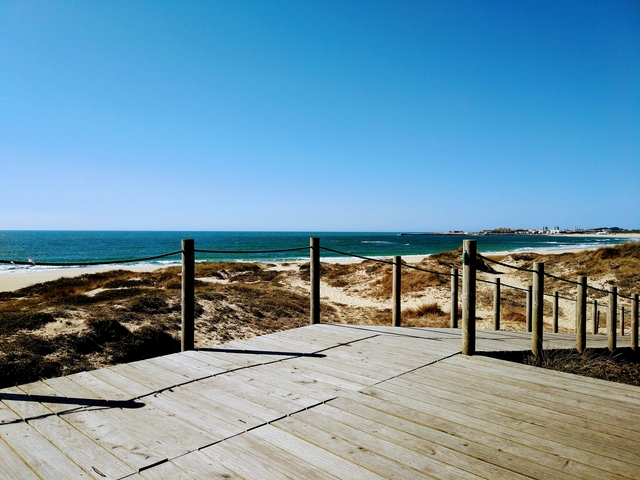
{"x": 595, "y": 317}
{"x": 528, "y": 309}
{"x": 314, "y": 279}
{"x": 454, "y": 298}
{"x": 634, "y": 323}
{"x": 188, "y": 294}
{"x": 622, "y": 321}
{"x": 537, "y": 330}
{"x": 555, "y": 312}
{"x": 496, "y": 305}
{"x": 396, "y": 293}
{"x": 612, "y": 320}
{"x": 468, "y": 297}
{"x": 581, "y": 314}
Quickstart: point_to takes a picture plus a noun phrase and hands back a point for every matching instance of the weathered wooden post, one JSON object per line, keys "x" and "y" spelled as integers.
{"x": 314, "y": 278}
{"x": 612, "y": 320}
{"x": 555, "y": 312}
{"x": 496, "y": 305}
{"x": 622, "y": 321}
{"x": 469, "y": 297}
{"x": 537, "y": 330}
{"x": 188, "y": 296}
{"x": 634, "y": 323}
{"x": 528, "y": 309}
{"x": 581, "y": 314}
{"x": 454, "y": 298}
{"x": 595, "y": 317}
{"x": 396, "y": 294}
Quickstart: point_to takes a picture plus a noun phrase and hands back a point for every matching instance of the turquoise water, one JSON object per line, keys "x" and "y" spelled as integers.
{"x": 97, "y": 246}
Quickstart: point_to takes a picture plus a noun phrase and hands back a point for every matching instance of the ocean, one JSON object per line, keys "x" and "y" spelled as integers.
{"x": 104, "y": 246}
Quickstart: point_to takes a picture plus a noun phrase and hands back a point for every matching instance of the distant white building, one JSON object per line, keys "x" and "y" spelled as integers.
{"x": 554, "y": 231}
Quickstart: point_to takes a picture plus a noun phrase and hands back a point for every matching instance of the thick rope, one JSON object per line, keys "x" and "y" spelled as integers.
{"x": 405, "y": 264}
{"x": 357, "y": 256}
{"x": 248, "y": 252}
{"x": 505, "y": 265}
{"x": 88, "y": 264}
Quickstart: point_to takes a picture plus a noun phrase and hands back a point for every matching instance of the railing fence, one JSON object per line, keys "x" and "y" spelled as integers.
{"x": 534, "y": 307}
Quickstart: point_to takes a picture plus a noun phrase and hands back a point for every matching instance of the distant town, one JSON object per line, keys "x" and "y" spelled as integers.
{"x": 536, "y": 231}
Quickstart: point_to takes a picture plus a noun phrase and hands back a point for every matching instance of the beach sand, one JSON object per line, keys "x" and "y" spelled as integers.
{"x": 11, "y": 281}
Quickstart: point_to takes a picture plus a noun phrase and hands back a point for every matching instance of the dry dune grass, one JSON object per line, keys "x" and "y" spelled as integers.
{"x": 85, "y": 322}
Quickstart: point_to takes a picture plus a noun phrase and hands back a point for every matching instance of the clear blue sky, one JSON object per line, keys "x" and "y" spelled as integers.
{"x": 319, "y": 115}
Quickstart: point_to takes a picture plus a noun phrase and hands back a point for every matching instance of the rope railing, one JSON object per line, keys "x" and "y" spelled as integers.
{"x": 413, "y": 267}
{"x": 250, "y": 252}
{"x": 88, "y": 264}
{"x": 481, "y": 280}
{"x": 561, "y": 279}
{"x": 522, "y": 269}
{"x": 357, "y": 256}
{"x": 534, "y": 315}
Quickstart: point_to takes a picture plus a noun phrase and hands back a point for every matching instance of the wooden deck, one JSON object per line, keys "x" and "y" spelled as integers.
{"x": 326, "y": 401}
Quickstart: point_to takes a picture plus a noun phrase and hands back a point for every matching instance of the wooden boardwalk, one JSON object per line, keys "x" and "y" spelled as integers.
{"x": 326, "y": 401}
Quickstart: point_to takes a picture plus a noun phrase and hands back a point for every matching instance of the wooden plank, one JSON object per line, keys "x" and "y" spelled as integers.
{"x": 288, "y": 347}
{"x": 627, "y": 394}
{"x": 203, "y": 467}
{"x": 237, "y": 358}
{"x": 116, "y": 438}
{"x": 495, "y": 451}
{"x": 144, "y": 433}
{"x": 309, "y": 341}
{"x": 169, "y": 426}
{"x": 549, "y": 413}
{"x": 84, "y": 452}
{"x": 506, "y": 439}
{"x": 149, "y": 375}
{"x": 515, "y": 430}
{"x": 242, "y": 462}
{"x": 352, "y": 452}
{"x": 212, "y": 360}
{"x": 38, "y": 453}
{"x": 192, "y": 373}
{"x": 621, "y": 389}
{"x": 185, "y": 359}
{"x": 164, "y": 471}
{"x": 278, "y": 377}
{"x": 393, "y": 448}
{"x": 202, "y": 415}
{"x": 102, "y": 389}
{"x": 133, "y": 388}
{"x": 442, "y": 458}
{"x": 208, "y": 390}
{"x": 257, "y": 389}
{"x": 314, "y": 379}
{"x": 334, "y": 369}
{"x": 540, "y": 391}
{"x": 13, "y": 468}
{"x": 514, "y": 414}
{"x": 240, "y": 420}
{"x": 30, "y": 400}
{"x": 253, "y": 450}
{"x": 331, "y": 332}
{"x": 311, "y": 454}
{"x": 364, "y": 354}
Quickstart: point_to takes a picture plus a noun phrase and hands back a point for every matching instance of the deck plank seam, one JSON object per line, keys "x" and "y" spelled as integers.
{"x": 255, "y": 427}
{"x": 413, "y": 370}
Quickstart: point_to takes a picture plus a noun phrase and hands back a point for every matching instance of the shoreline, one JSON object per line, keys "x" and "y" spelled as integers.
{"x": 15, "y": 280}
